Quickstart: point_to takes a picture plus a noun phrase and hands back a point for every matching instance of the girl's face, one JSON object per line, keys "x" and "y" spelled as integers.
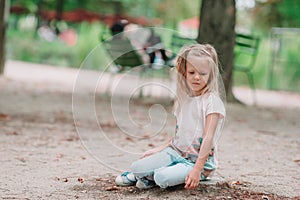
{"x": 197, "y": 74}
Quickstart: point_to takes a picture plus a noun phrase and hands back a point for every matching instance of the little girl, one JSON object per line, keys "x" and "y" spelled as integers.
{"x": 190, "y": 156}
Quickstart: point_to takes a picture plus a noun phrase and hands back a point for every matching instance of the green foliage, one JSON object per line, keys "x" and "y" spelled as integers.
{"x": 276, "y": 13}
{"x": 89, "y": 47}
{"x": 292, "y": 67}
{"x": 30, "y": 5}
{"x": 35, "y": 49}
{"x": 40, "y": 51}
{"x": 289, "y": 10}
{"x": 286, "y": 71}
{"x": 166, "y": 10}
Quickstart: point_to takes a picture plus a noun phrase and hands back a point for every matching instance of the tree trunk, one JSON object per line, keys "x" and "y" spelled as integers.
{"x": 59, "y": 9}
{"x": 217, "y": 27}
{"x": 3, "y": 16}
{"x": 59, "y": 14}
{"x": 38, "y": 15}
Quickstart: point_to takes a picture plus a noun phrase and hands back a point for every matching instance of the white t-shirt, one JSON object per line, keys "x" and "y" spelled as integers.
{"x": 191, "y": 117}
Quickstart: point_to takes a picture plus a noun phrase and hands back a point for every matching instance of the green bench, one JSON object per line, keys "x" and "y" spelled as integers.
{"x": 246, "y": 49}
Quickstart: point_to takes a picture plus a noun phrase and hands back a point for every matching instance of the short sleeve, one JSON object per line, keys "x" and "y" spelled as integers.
{"x": 215, "y": 105}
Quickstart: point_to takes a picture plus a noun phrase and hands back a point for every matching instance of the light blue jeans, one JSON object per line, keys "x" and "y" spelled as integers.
{"x": 168, "y": 168}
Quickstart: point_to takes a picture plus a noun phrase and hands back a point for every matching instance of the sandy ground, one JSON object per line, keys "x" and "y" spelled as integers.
{"x": 53, "y": 149}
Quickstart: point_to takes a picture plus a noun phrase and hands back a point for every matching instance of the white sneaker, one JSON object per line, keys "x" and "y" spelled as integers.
{"x": 144, "y": 183}
{"x": 125, "y": 179}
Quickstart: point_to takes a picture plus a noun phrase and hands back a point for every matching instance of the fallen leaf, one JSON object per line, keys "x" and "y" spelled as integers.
{"x": 82, "y": 157}
{"x": 224, "y": 184}
{"x": 4, "y": 117}
{"x": 266, "y": 132}
{"x": 150, "y": 145}
{"x": 236, "y": 183}
{"x": 108, "y": 124}
{"x": 111, "y": 188}
{"x": 129, "y": 139}
{"x": 21, "y": 159}
{"x": 13, "y": 133}
{"x": 101, "y": 179}
{"x": 146, "y": 136}
{"x": 60, "y": 155}
{"x": 71, "y": 138}
{"x": 80, "y": 179}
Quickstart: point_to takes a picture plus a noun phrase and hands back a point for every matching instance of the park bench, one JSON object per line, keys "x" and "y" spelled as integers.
{"x": 246, "y": 48}
{"x": 122, "y": 53}
{"x": 126, "y": 58}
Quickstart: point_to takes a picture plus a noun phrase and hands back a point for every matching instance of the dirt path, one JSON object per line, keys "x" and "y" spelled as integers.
{"x": 46, "y": 155}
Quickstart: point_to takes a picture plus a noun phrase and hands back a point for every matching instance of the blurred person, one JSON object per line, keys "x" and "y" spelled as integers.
{"x": 155, "y": 50}
{"x": 68, "y": 36}
{"x": 47, "y": 33}
{"x": 137, "y": 36}
{"x": 118, "y": 26}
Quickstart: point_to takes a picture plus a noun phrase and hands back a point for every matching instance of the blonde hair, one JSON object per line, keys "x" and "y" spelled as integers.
{"x": 200, "y": 50}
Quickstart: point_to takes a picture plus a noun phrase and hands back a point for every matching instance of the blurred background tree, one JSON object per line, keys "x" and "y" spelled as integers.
{"x": 219, "y": 31}
{"x": 167, "y": 11}
{"x": 4, "y": 9}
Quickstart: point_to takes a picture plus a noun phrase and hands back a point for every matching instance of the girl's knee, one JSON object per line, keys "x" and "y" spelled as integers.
{"x": 161, "y": 179}
{"x": 140, "y": 169}
{"x": 170, "y": 176}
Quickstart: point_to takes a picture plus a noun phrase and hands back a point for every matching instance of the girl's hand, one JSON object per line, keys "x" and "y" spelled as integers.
{"x": 192, "y": 179}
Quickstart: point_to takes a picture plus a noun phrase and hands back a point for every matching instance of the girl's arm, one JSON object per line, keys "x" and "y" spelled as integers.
{"x": 193, "y": 178}
{"x": 157, "y": 149}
